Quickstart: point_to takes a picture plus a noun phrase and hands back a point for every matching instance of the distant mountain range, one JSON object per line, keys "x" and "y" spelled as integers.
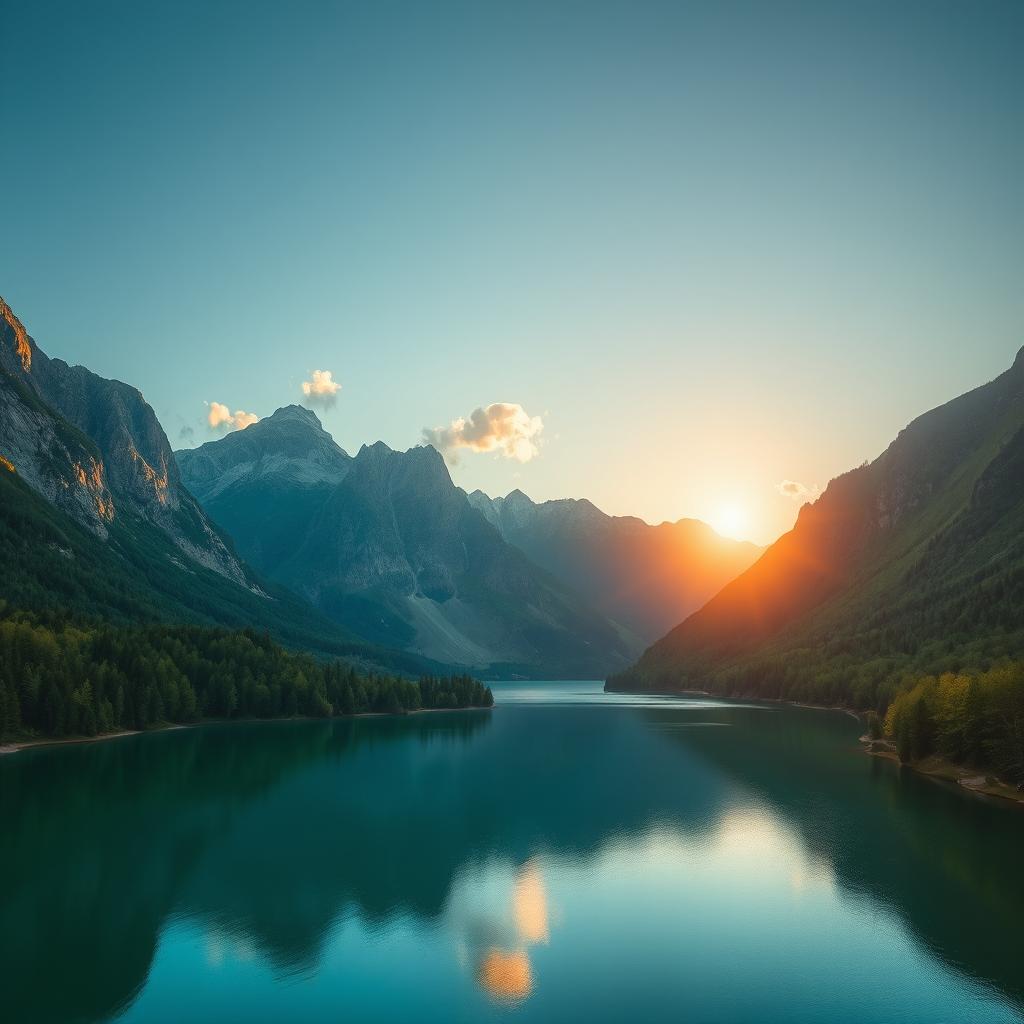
{"x": 914, "y": 562}
{"x": 386, "y": 543}
{"x": 645, "y": 577}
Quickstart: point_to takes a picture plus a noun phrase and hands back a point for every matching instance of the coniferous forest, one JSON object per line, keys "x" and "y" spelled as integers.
{"x": 71, "y": 678}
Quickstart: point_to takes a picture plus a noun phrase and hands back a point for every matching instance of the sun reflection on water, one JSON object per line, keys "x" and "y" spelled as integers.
{"x": 504, "y": 914}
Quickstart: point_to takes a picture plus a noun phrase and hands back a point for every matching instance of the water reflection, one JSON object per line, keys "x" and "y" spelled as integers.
{"x": 502, "y": 851}
{"x": 506, "y": 975}
{"x": 530, "y": 904}
{"x": 501, "y": 912}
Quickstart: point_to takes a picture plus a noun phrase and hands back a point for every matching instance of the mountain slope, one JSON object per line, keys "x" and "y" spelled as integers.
{"x": 96, "y": 449}
{"x": 385, "y": 543}
{"x": 645, "y": 577}
{"x": 267, "y": 482}
{"x": 914, "y": 561}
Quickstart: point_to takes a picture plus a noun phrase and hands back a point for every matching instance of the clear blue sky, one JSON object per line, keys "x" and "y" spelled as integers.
{"x": 713, "y": 246}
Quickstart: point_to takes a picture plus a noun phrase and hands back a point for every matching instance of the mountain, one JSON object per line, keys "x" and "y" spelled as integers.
{"x": 914, "y": 562}
{"x": 386, "y": 543}
{"x": 95, "y": 522}
{"x": 288, "y": 460}
{"x": 96, "y": 449}
{"x": 645, "y": 577}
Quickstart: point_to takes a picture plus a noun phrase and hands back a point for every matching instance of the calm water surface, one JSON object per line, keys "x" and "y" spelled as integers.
{"x": 569, "y": 856}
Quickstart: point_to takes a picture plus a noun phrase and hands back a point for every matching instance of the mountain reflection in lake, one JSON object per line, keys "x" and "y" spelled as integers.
{"x": 568, "y": 856}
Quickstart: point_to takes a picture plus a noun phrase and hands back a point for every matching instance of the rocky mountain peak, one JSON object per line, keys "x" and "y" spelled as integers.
{"x": 419, "y": 470}
{"x": 22, "y": 342}
{"x": 294, "y": 414}
{"x": 289, "y": 448}
{"x": 377, "y": 450}
{"x": 518, "y": 499}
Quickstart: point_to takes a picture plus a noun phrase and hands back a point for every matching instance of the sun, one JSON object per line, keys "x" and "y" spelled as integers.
{"x": 729, "y": 520}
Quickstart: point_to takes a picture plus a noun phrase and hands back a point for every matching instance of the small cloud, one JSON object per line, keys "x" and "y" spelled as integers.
{"x": 503, "y": 427}
{"x": 220, "y": 418}
{"x": 798, "y": 492}
{"x": 322, "y": 389}
{"x": 245, "y": 419}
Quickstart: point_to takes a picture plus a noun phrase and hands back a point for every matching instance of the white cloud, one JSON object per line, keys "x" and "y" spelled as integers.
{"x": 245, "y": 419}
{"x": 322, "y": 389}
{"x": 220, "y": 418}
{"x": 503, "y": 427}
{"x": 798, "y": 492}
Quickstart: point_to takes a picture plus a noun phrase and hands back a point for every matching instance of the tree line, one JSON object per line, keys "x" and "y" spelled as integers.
{"x": 66, "y": 678}
{"x": 970, "y": 718}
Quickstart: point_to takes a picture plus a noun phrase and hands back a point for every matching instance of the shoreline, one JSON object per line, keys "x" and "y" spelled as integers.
{"x": 18, "y": 745}
{"x": 966, "y": 780}
{"x": 947, "y": 773}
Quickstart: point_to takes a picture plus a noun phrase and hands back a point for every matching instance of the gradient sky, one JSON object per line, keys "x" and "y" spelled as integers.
{"x": 714, "y": 246}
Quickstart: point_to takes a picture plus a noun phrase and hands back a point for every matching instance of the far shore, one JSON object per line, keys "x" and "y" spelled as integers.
{"x": 967, "y": 780}
{"x": 13, "y": 748}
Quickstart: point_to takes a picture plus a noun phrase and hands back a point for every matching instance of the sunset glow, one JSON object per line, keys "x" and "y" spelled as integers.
{"x": 730, "y": 521}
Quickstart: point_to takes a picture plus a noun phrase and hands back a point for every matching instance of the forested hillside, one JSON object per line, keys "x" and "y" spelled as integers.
{"x": 61, "y": 678}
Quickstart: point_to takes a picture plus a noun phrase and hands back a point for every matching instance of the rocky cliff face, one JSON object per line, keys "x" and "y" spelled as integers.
{"x": 645, "y": 577}
{"x": 61, "y": 465}
{"x": 20, "y": 345}
{"x": 94, "y": 447}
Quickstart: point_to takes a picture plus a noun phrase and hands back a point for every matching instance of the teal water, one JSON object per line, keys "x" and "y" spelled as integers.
{"x": 570, "y": 856}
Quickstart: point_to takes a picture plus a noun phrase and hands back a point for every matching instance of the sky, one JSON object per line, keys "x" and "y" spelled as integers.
{"x": 666, "y": 256}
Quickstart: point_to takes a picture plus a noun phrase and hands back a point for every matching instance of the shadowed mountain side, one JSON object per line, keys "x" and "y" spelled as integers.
{"x": 913, "y": 561}
{"x": 645, "y": 577}
{"x": 267, "y": 481}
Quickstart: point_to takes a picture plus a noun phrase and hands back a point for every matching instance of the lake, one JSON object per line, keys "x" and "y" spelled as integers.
{"x": 570, "y": 856}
